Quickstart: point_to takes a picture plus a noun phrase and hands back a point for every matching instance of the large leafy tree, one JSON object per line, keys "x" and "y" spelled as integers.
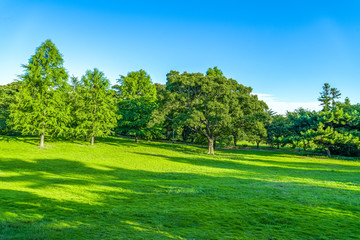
{"x": 94, "y": 106}
{"x": 137, "y": 100}
{"x": 40, "y": 107}
{"x": 201, "y": 102}
{"x": 248, "y": 115}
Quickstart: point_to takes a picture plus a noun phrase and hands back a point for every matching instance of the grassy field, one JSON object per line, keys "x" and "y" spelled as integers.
{"x": 122, "y": 190}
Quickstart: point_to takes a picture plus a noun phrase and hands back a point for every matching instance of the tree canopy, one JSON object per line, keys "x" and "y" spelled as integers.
{"x": 137, "y": 100}
{"x": 39, "y": 107}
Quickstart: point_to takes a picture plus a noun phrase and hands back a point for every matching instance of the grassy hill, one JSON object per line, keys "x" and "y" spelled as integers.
{"x": 122, "y": 190}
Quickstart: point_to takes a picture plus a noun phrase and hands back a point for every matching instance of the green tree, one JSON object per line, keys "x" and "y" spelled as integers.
{"x": 300, "y": 121}
{"x": 335, "y": 94}
{"x": 337, "y": 132}
{"x": 137, "y": 101}
{"x": 328, "y": 96}
{"x": 201, "y": 102}
{"x": 278, "y": 131}
{"x": 94, "y": 106}
{"x": 39, "y": 107}
{"x": 256, "y": 130}
{"x": 7, "y": 97}
{"x": 247, "y": 112}
{"x": 325, "y": 97}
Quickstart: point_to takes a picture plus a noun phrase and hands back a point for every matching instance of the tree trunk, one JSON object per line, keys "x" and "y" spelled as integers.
{"x": 235, "y": 141}
{"x": 92, "y": 140}
{"x": 136, "y": 138}
{"x": 257, "y": 144}
{"x": 214, "y": 144}
{"x": 278, "y": 145}
{"x": 211, "y": 146}
{"x": 328, "y": 152}
{"x": 42, "y": 138}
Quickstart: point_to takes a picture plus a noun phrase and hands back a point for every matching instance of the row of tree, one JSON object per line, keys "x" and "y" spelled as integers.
{"x": 335, "y": 129}
{"x": 190, "y": 107}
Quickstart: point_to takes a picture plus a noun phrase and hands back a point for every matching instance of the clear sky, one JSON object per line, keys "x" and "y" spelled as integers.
{"x": 284, "y": 50}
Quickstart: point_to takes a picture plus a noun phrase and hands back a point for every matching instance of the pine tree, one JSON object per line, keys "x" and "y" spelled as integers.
{"x": 94, "y": 106}
{"x": 335, "y": 94}
{"x": 40, "y": 107}
{"x": 325, "y": 97}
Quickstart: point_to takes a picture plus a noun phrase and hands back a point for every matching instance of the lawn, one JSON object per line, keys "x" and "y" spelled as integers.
{"x": 122, "y": 190}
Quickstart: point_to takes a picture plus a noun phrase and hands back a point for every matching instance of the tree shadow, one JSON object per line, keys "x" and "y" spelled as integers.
{"x": 66, "y": 199}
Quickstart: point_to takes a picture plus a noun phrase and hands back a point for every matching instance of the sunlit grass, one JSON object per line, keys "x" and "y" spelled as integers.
{"x": 122, "y": 190}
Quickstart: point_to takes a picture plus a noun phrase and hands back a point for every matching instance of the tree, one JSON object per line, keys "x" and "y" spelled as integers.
{"x": 201, "y": 102}
{"x": 7, "y": 97}
{"x": 335, "y": 94}
{"x": 137, "y": 100}
{"x": 300, "y": 121}
{"x": 328, "y": 96}
{"x": 39, "y": 107}
{"x": 325, "y": 97}
{"x": 278, "y": 131}
{"x": 256, "y": 131}
{"x": 247, "y": 112}
{"x": 95, "y": 106}
{"x": 337, "y": 132}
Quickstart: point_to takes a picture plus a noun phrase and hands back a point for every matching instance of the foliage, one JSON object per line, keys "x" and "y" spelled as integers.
{"x": 137, "y": 101}
{"x": 336, "y": 132}
{"x": 278, "y": 131}
{"x": 328, "y": 96}
{"x": 301, "y": 120}
{"x": 40, "y": 107}
{"x": 94, "y": 106}
{"x": 7, "y": 97}
{"x": 202, "y": 102}
{"x": 249, "y": 116}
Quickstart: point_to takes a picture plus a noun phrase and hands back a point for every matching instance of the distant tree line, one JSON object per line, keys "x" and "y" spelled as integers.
{"x": 191, "y": 107}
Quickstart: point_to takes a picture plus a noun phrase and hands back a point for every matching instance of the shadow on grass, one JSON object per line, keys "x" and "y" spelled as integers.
{"x": 64, "y": 199}
{"x": 330, "y": 176}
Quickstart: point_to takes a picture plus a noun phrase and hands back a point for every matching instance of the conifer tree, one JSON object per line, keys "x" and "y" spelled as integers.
{"x": 95, "y": 106}
{"x": 325, "y": 97}
{"x": 40, "y": 107}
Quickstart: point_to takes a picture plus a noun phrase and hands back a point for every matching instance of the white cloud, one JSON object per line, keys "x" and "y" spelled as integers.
{"x": 281, "y": 107}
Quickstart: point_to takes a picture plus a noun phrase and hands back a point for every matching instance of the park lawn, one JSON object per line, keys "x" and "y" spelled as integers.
{"x": 122, "y": 190}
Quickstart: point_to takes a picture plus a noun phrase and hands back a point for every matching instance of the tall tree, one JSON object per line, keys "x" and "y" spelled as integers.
{"x": 325, "y": 97}
{"x": 95, "y": 106}
{"x": 328, "y": 96}
{"x": 137, "y": 100}
{"x": 40, "y": 107}
{"x": 201, "y": 102}
{"x": 335, "y": 94}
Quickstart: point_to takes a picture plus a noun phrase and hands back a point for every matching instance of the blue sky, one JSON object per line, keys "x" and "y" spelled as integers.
{"x": 284, "y": 50}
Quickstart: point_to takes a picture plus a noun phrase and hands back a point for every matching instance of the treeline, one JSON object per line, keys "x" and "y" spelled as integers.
{"x": 191, "y": 107}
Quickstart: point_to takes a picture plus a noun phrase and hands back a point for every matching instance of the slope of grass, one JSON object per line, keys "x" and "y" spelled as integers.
{"x": 122, "y": 190}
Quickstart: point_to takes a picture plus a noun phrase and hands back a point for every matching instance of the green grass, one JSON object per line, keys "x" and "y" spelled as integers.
{"x": 122, "y": 190}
